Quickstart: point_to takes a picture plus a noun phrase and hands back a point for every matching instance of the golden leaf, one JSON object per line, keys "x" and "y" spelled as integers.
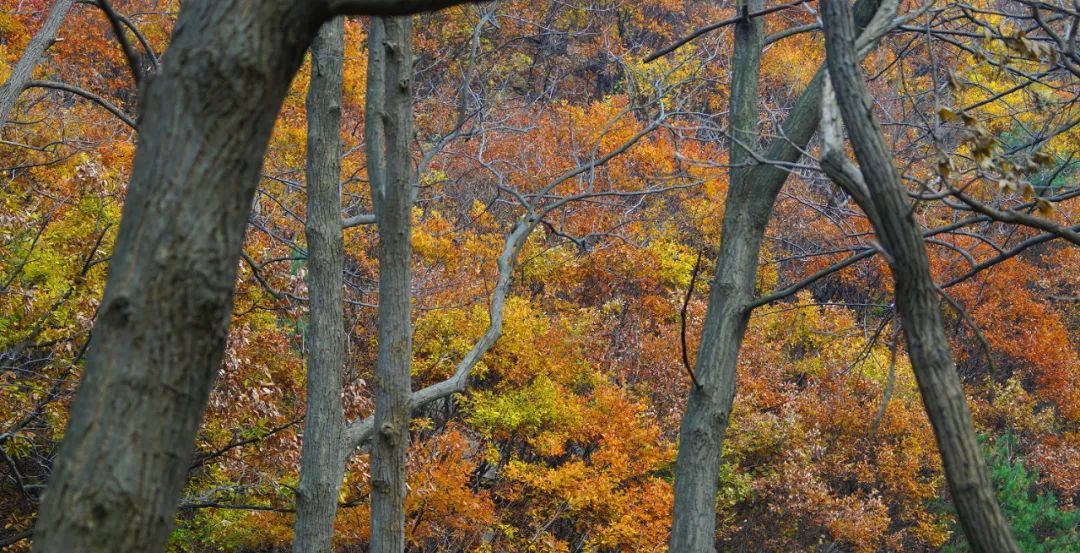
{"x": 1042, "y": 158}
{"x": 1046, "y": 209}
{"x": 1029, "y": 191}
{"x": 945, "y": 166}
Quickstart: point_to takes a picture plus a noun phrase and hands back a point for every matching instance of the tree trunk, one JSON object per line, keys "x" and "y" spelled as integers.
{"x": 916, "y": 296}
{"x": 746, "y": 214}
{"x": 163, "y": 322}
{"x": 322, "y": 461}
{"x": 388, "y": 129}
{"x": 161, "y": 330}
{"x": 24, "y": 68}
{"x": 751, "y": 194}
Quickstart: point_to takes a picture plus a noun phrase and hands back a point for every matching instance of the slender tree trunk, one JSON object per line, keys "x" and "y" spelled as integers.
{"x": 916, "y": 296}
{"x": 388, "y": 125}
{"x": 24, "y": 68}
{"x": 161, "y": 329}
{"x": 746, "y": 214}
{"x": 162, "y": 326}
{"x": 751, "y": 195}
{"x": 322, "y": 462}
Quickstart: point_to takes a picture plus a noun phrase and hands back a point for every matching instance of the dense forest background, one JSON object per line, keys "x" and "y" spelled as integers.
{"x": 565, "y": 439}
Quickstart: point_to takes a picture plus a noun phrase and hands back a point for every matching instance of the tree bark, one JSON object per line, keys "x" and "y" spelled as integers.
{"x": 322, "y": 461}
{"x": 746, "y": 215}
{"x": 388, "y": 126}
{"x": 161, "y": 330}
{"x": 916, "y": 296}
{"x": 162, "y": 326}
{"x": 752, "y": 192}
{"x": 28, "y": 61}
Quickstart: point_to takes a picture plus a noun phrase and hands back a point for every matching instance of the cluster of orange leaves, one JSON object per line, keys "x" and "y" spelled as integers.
{"x": 566, "y": 439}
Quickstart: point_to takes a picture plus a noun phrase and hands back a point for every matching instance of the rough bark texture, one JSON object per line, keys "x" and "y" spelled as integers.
{"x": 24, "y": 68}
{"x": 322, "y": 460}
{"x": 160, "y": 333}
{"x": 746, "y": 215}
{"x": 916, "y": 297}
{"x": 752, "y": 192}
{"x": 161, "y": 329}
{"x": 389, "y": 132}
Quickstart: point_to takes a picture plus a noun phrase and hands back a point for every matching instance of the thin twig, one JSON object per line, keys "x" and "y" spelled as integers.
{"x": 983, "y": 342}
{"x": 133, "y": 60}
{"x": 685, "y": 306}
{"x": 714, "y": 26}
{"x": 889, "y": 384}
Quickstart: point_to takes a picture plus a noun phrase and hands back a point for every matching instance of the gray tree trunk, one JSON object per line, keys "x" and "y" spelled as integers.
{"x": 24, "y": 68}
{"x": 161, "y": 330}
{"x": 751, "y": 195}
{"x": 746, "y": 215}
{"x": 162, "y": 325}
{"x": 916, "y": 296}
{"x": 388, "y": 130}
{"x": 322, "y": 461}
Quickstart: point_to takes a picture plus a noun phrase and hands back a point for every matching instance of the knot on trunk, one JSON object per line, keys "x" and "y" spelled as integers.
{"x": 118, "y": 312}
{"x": 388, "y": 432}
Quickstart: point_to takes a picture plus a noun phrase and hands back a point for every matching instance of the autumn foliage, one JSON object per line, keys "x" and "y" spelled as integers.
{"x": 565, "y": 440}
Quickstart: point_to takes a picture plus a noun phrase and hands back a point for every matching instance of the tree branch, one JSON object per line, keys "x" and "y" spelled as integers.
{"x": 360, "y": 431}
{"x": 714, "y": 26}
{"x": 358, "y": 220}
{"x": 24, "y": 68}
{"x": 682, "y": 320}
{"x": 54, "y": 85}
{"x": 387, "y": 7}
{"x": 134, "y": 64}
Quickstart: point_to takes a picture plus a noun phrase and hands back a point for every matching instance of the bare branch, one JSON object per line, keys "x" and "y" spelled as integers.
{"x": 714, "y": 26}
{"x": 134, "y": 63}
{"x": 682, "y": 320}
{"x": 360, "y": 431}
{"x": 358, "y": 220}
{"x": 1013, "y": 216}
{"x": 387, "y": 7}
{"x": 24, "y": 69}
{"x": 54, "y": 85}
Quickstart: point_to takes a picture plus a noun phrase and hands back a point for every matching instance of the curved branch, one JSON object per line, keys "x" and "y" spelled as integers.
{"x": 1008, "y": 254}
{"x": 1012, "y": 216}
{"x": 983, "y": 342}
{"x": 714, "y": 26}
{"x": 118, "y": 29}
{"x": 682, "y": 319}
{"x": 143, "y": 41}
{"x": 360, "y": 431}
{"x": 54, "y": 85}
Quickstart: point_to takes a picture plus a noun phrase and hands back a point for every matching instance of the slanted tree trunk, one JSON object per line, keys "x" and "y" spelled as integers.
{"x": 162, "y": 325}
{"x": 322, "y": 461}
{"x": 916, "y": 296}
{"x": 161, "y": 329}
{"x": 24, "y": 68}
{"x": 751, "y": 195}
{"x": 388, "y": 131}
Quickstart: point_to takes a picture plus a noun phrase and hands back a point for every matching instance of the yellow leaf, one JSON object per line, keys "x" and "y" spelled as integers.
{"x": 1046, "y": 209}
